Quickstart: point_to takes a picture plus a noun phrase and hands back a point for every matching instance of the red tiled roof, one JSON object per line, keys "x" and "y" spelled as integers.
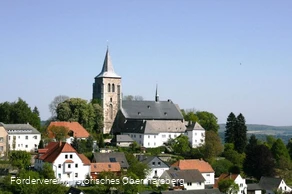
{"x": 225, "y": 177}
{"x": 69, "y": 161}
{"x": 201, "y": 165}
{"x": 42, "y": 151}
{"x": 54, "y": 149}
{"x": 75, "y": 127}
{"x": 84, "y": 159}
{"x": 105, "y": 166}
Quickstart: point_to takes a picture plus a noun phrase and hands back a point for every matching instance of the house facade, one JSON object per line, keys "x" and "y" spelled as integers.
{"x": 184, "y": 179}
{"x": 3, "y": 141}
{"x": 70, "y": 167}
{"x": 22, "y": 137}
{"x": 237, "y": 180}
{"x": 202, "y": 166}
{"x": 156, "y": 167}
{"x": 196, "y": 134}
{"x": 271, "y": 184}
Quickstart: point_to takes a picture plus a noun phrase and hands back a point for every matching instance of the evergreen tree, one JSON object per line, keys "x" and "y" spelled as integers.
{"x": 240, "y": 138}
{"x": 89, "y": 144}
{"x": 75, "y": 144}
{"x": 289, "y": 147}
{"x": 230, "y": 128}
{"x": 41, "y": 144}
{"x": 101, "y": 141}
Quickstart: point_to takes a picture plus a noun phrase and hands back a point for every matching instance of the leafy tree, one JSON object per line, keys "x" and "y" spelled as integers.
{"x": 138, "y": 168}
{"x": 20, "y": 159}
{"x": 59, "y": 132}
{"x": 133, "y": 98}
{"x": 270, "y": 140}
{"x": 77, "y": 109}
{"x": 259, "y": 162}
{"x": 208, "y": 121}
{"x": 213, "y": 146}
{"x": 19, "y": 112}
{"x": 230, "y": 128}
{"x": 47, "y": 171}
{"x": 132, "y": 188}
{"x": 221, "y": 166}
{"x": 54, "y": 104}
{"x": 228, "y": 186}
{"x": 41, "y": 144}
{"x": 233, "y": 156}
{"x": 280, "y": 151}
{"x": 181, "y": 145}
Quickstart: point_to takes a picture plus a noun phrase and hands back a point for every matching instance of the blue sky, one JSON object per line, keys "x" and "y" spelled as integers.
{"x": 191, "y": 48}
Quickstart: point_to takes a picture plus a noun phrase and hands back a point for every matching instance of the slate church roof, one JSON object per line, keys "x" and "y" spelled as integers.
{"x": 147, "y": 110}
{"x": 107, "y": 68}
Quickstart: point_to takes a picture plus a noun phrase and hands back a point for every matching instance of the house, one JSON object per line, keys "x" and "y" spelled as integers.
{"x": 270, "y": 185}
{"x": 69, "y": 166}
{"x": 196, "y": 134}
{"x": 74, "y": 130}
{"x": 97, "y": 168}
{"x": 184, "y": 179}
{"x": 22, "y": 137}
{"x": 3, "y": 141}
{"x": 203, "y": 167}
{"x": 111, "y": 157}
{"x": 237, "y": 180}
{"x": 122, "y": 141}
{"x": 254, "y": 188}
{"x": 156, "y": 165}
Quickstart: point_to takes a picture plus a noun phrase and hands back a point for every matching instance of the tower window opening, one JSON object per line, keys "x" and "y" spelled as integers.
{"x": 113, "y": 87}
{"x": 109, "y": 87}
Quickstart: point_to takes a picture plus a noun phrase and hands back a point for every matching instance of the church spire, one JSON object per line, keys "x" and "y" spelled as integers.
{"x": 156, "y": 94}
{"x": 107, "y": 68}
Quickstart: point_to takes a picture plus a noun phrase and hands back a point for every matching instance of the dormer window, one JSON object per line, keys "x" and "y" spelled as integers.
{"x": 139, "y": 113}
{"x": 148, "y": 107}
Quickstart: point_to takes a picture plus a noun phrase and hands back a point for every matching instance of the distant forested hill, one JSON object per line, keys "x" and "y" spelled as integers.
{"x": 261, "y": 131}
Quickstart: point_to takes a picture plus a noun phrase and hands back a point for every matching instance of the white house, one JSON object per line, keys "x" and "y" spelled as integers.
{"x": 22, "y": 137}
{"x": 270, "y": 185}
{"x": 203, "y": 167}
{"x": 156, "y": 165}
{"x": 69, "y": 166}
{"x": 196, "y": 134}
{"x": 184, "y": 179}
{"x": 237, "y": 180}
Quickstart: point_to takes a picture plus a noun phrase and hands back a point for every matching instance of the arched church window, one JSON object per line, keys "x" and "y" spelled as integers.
{"x": 111, "y": 111}
{"x": 109, "y": 87}
{"x": 113, "y": 87}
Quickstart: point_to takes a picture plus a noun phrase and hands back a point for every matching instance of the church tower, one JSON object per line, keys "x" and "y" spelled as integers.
{"x": 108, "y": 89}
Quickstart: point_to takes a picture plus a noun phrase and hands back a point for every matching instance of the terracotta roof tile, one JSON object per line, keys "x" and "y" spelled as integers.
{"x": 75, "y": 127}
{"x": 225, "y": 177}
{"x": 84, "y": 159}
{"x": 69, "y": 161}
{"x": 201, "y": 165}
{"x": 105, "y": 166}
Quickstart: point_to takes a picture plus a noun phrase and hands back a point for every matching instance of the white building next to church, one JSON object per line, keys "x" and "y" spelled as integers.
{"x": 22, "y": 137}
{"x": 69, "y": 166}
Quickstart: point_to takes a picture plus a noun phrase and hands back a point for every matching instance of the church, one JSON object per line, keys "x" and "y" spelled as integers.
{"x": 149, "y": 123}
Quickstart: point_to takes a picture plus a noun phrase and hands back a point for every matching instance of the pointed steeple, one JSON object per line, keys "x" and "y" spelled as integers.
{"x": 107, "y": 68}
{"x": 156, "y": 94}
